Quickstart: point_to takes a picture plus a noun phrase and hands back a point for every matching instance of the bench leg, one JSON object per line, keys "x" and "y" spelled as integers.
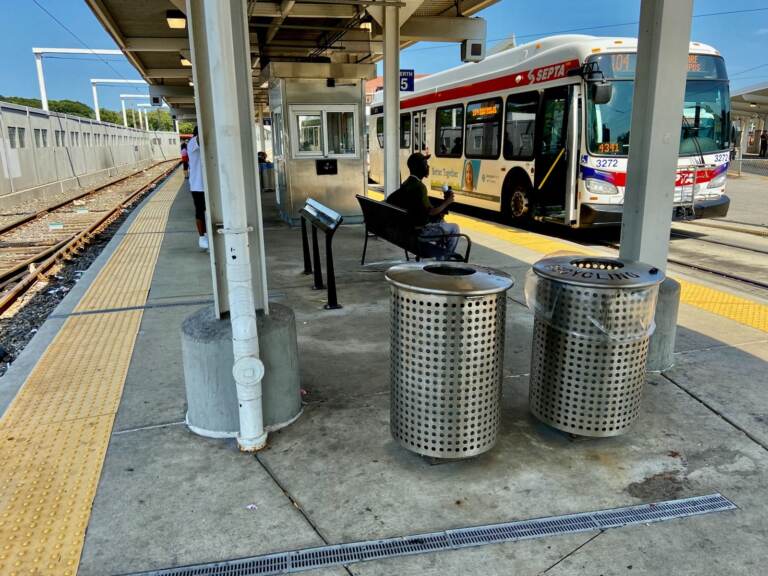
{"x": 365, "y": 247}
{"x": 407, "y": 257}
{"x": 305, "y": 247}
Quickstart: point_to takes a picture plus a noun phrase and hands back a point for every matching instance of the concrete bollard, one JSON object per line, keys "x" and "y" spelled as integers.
{"x": 661, "y": 348}
{"x": 206, "y": 344}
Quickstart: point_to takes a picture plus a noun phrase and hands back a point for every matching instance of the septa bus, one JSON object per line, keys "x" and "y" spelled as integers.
{"x": 542, "y": 131}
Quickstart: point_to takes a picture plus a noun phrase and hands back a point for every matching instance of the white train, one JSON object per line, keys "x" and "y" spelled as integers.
{"x": 542, "y": 130}
{"x": 42, "y": 152}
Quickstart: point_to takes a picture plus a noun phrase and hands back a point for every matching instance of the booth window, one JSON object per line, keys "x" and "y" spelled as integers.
{"x": 450, "y": 131}
{"x": 483, "y": 129}
{"x": 405, "y": 131}
{"x": 380, "y": 131}
{"x": 310, "y": 134}
{"x": 341, "y": 133}
{"x": 520, "y": 126}
{"x": 324, "y": 131}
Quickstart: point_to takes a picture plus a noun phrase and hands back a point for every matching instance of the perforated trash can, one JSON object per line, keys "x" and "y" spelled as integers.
{"x": 447, "y": 356}
{"x": 593, "y": 320}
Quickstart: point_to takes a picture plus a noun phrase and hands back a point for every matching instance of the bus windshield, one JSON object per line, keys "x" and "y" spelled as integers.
{"x": 704, "y": 123}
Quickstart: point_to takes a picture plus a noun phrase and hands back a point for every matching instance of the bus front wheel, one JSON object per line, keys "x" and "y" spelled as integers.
{"x": 518, "y": 203}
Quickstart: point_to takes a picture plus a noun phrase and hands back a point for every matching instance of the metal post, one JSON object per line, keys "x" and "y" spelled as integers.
{"x": 316, "y": 261}
{"x": 146, "y": 119}
{"x": 224, "y": 29}
{"x": 262, "y": 140}
{"x": 41, "y": 81}
{"x": 96, "y": 102}
{"x": 305, "y": 247}
{"x": 333, "y": 302}
{"x": 662, "y": 64}
{"x": 125, "y": 116}
{"x": 391, "y": 99}
{"x": 133, "y": 118}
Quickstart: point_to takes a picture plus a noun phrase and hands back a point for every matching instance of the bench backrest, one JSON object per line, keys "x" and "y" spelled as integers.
{"x": 389, "y": 222}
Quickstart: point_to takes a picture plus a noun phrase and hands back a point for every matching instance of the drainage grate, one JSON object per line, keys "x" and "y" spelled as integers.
{"x": 312, "y": 558}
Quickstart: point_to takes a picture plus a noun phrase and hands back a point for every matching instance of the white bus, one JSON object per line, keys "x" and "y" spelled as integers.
{"x": 542, "y": 131}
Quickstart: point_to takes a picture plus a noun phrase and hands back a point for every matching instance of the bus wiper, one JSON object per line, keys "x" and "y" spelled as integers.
{"x": 694, "y": 137}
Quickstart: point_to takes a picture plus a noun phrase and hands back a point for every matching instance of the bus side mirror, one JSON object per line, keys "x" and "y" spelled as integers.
{"x": 601, "y": 92}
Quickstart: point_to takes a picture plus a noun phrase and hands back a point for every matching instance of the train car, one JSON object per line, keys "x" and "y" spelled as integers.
{"x": 542, "y": 131}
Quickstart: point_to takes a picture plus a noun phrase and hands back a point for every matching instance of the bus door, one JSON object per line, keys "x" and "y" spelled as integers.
{"x": 420, "y": 131}
{"x": 552, "y": 158}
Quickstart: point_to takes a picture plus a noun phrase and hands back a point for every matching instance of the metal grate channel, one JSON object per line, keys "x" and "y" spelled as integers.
{"x": 340, "y": 554}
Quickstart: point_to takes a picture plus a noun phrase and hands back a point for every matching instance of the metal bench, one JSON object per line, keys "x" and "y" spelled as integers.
{"x": 393, "y": 225}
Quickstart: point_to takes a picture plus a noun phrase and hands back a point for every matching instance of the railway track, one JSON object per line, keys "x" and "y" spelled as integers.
{"x": 31, "y": 245}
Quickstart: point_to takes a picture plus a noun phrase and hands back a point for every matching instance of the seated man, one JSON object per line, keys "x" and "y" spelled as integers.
{"x": 412, "y": 196}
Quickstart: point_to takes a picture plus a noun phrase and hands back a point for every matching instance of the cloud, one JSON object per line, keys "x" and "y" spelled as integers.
{"x": 762, "y": 31}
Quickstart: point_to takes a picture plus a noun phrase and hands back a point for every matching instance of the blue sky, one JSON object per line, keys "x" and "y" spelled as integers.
{"x": 742, "y": 38}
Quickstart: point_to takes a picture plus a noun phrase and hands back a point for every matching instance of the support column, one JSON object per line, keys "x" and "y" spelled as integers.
{"x": 262, "y": 139}
{"x": 125, "y": 116}
{"x": 146, "y": 119}
{"x": 41, "y": 81}
{"x": 222, "y": 79}
{"x": 133, "y": 118}
{"x": 391, "y": 99}
{"x": 662, "y": 67}
{"x": 96, "y": 102}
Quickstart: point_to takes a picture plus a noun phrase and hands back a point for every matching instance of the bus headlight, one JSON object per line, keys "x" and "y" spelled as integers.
{"x": 600, "y": 187}
{"x": 717, "y": 181}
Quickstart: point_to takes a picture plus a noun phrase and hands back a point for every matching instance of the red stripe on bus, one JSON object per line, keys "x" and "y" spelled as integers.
{"x": 524, "y": 78}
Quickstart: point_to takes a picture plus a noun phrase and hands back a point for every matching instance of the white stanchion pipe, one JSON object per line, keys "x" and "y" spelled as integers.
{"x": 125, "y": 116}
{"x": 224, "y": 54}
{"x": 391, "y": 99}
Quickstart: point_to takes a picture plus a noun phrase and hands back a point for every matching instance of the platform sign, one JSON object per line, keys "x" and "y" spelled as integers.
{"x": 267, "y": 121}
{"x": 406, "y": 80}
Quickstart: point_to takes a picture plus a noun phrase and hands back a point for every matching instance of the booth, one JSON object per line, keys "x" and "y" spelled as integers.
{"x": 318, "y": 130}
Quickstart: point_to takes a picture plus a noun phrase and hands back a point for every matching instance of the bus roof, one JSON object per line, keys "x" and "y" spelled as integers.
{"x": 533, "y": 56}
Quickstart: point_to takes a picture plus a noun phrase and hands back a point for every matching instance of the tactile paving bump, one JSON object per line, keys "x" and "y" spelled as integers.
{"x": 54, "y": 436}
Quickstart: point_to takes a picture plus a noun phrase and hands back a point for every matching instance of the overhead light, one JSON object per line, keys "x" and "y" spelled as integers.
{"x": 191, "y": 83}
{"x": 753, "y": 105}
{"x": 365, "y": 26}
{"x": 185, "y": 62}
{"x": 176, "y": 19}
{"x": 264, "y": 84}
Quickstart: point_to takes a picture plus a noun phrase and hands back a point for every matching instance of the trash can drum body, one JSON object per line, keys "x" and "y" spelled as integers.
{"x": 593, "y": 320}
{"x": 447, "y": 351}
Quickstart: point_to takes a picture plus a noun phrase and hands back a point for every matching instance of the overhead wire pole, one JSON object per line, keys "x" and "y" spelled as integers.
{"x": 125, "y": 116}
{"x": 96, "y": 101}
{"x": 41, "y": 80}
{"x": 123, "y": 98}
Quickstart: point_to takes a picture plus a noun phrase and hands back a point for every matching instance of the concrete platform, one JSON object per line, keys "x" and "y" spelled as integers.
{"x": 169, "y": 498}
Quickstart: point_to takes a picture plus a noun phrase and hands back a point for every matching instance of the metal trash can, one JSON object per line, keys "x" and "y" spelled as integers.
{"x": 447, "y": 357}
{"x": 267, "y": 175}
{"x": 593, "y": 320}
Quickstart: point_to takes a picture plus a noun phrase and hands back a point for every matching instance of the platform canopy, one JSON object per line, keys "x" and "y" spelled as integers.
{"x": 750, "y": 101}
{"x": 343, "y": 31}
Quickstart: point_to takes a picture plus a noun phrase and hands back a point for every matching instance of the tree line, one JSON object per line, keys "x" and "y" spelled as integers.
{"x": 158, "y": 119}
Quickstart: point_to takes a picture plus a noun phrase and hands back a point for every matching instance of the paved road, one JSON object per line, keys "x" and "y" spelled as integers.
{"x": 749, "y": 199}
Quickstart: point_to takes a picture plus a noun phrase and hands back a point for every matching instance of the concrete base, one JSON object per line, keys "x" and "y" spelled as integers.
{"x": 661, "y": 349}
{"x": 206, "y": 341}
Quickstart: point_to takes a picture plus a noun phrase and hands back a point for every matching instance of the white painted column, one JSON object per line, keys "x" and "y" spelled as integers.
{"x": 391, "y": 99}
{"x": 133, "y": 118}
{"x": 41, "y": 80}
{"x": 146, "y": 119}
{"x": 225, "y": 71}
{"x": 662, "y": 64}
{"x": 125, "y": 116}
{"x": 96, "y": 102}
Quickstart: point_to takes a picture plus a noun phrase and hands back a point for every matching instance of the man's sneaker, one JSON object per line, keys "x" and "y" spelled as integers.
{"x": 202, "y": 242}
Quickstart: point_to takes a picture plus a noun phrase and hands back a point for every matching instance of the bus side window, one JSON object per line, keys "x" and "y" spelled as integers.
{"x": 405, "y": 130}
{"x": 520, "y": 126}
{"x": 483, "y": 133}
{"x": 380, "y": 131}
{"x": 449, "y": 131}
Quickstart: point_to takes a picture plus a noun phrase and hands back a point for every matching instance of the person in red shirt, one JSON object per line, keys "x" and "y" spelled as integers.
{"x": 185, "y": 159}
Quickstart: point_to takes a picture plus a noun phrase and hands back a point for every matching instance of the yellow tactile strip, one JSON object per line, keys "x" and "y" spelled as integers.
{"x": 54, "y": 436}
{"x": 742, "y": 310}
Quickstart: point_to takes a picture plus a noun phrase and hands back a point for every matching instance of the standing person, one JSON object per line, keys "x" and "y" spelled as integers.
{"x": 763, "y": 145}
{"x": 196, "y": 188}
{"x": 412, "y": 196}
{"x": 185, "y": 159}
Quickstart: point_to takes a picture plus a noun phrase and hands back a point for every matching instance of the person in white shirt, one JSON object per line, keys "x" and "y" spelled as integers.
{"x": 196, "y": 188}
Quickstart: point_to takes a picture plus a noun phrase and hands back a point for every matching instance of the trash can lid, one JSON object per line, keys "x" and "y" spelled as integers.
{"x": 598, "y": 271}
{"x": 449, "y": 278}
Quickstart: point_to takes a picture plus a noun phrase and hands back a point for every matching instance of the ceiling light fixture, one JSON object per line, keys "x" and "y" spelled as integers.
{"x": 185, "y": 62}
{"x": 176, "y": 19}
